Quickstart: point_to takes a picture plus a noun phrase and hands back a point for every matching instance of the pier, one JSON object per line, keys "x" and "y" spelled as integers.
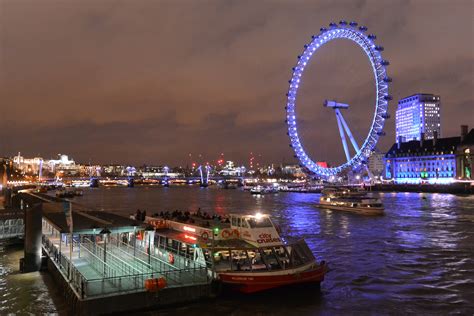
{"x": 102, "y": 266}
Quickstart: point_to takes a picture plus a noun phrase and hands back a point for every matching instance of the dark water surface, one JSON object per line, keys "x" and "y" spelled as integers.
{"x": 416, "y": 259}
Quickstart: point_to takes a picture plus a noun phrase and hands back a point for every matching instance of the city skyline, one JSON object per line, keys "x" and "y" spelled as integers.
{"x": 152, "y": 82}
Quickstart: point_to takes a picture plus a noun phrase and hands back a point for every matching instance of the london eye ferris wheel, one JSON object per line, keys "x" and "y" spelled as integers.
{"x": 357, "y": 34}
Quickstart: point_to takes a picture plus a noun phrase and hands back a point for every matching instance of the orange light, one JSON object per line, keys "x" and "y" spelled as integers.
{"x": 189, "y": 229}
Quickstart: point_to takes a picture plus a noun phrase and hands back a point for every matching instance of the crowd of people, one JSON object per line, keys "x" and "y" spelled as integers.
{"x": 184, "y": 217}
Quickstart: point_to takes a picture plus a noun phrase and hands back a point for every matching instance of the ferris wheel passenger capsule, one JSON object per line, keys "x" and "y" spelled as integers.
{"x": 353, "y": 24}
{"x": 362, "y": 28}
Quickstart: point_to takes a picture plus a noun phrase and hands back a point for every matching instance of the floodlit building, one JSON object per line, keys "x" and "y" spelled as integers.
{"x": 435, "y": 161}
{"x": 293, "y": 170}
{"x": 28, "y": 165}
{"x": 416, "y": 115}
{"x": 230, "y": 169}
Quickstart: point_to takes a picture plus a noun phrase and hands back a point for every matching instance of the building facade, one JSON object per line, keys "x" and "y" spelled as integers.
{"x": 416, "y": 115}
{"x": 376, "y": 164}
{"x": 435, "y": 161}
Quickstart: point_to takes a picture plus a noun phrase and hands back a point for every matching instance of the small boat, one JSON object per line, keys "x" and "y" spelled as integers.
{"x": 259, "y": 189}
{"x": 350, "y": 201}
{"x": 245, "y": 253}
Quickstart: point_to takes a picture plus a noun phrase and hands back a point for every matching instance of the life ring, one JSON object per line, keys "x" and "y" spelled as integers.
{"x": 170, "y": 258}
{"x": 226, "y": 233}
{"x": 205, "y": 236}
{"x": 236, "y": 233}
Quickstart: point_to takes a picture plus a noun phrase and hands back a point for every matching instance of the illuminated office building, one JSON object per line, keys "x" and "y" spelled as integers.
{"x": 416, "y": 115}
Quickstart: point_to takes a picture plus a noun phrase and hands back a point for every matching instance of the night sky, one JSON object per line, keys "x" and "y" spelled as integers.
{"x": 153, "y": 81}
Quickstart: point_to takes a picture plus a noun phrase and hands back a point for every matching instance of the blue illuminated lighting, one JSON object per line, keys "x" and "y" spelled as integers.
{"x": 432, "y": 169}
{"x": 373, "y": 52}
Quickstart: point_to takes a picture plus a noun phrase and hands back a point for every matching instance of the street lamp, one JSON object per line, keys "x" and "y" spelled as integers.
{"x": 134, "y": 239}
{"x": 149, "y": 229}
{"x": 105, "y": 232}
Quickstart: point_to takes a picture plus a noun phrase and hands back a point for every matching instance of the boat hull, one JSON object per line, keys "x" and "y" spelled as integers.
{"x": 356, "y": 210}
{"x": 257, "y": 282}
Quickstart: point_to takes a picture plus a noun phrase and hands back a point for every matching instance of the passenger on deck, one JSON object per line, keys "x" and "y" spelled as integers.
{"x": 138, "y": 215}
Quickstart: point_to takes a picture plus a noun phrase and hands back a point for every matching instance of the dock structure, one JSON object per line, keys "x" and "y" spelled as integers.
{"x": 104, "y": 263}
{"x": 11, "y": 225}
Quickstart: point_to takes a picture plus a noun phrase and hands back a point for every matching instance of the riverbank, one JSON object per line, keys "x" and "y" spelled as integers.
{"x": 455, "y": 188}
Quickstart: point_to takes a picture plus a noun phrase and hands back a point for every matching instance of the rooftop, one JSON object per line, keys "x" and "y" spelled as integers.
{"x": 429, "y": 145}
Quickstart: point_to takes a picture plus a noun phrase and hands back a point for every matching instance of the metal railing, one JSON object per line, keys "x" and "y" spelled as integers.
{"x": 10, "y": 228}
{"x": 119, "y": 276}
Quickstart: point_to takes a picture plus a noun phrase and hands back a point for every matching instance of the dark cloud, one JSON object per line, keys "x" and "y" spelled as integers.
{"x": 152, "y": 81}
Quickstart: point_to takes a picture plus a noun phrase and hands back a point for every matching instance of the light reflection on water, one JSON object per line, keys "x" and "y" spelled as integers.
{"x": 417, "y": 258}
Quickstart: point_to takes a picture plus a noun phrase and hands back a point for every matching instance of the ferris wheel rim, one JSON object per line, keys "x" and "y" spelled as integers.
{"x": 366, "y": 42}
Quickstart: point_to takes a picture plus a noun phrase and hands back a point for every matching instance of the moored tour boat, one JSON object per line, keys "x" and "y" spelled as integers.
{"x": 346, "y": 200}
{"x": 245, "y": 252}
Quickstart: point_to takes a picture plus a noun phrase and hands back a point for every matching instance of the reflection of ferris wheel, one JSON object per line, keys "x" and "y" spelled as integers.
{"x": 366, "y": 42}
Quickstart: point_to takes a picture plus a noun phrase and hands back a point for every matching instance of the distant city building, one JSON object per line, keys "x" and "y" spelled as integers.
{"x": 230, "y": 169}
{"x": 416, "y": 115}
{"x": 5, "y": 165}
{"x": 436, "y": 161}
{"x": 376, "y": 164}
{"x": 158, "y": 172}
{"x": 114, "y": 170}
{"x": 28, "y": 165}
{"x": 293, "y": 170}
{"x": 63, "y": 166}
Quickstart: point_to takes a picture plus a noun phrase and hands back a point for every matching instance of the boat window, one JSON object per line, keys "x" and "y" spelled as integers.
{"x": 282, "y": 256}
{"x": 260, "y": 223}
{"x": 222, "y": 260}
{"x": 234, "y": 221}
{"x": 269, "y": 257}
{"x": 245, "y": 224}
{"x": 238, "y": 222}
{"x": 303, "y": 252}
{"x": 240, "y": 260}
{"x": 256, "y": 260}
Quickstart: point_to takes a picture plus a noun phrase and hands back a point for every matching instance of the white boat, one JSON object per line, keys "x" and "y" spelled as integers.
{"x": 246, "y": 253}
{"x": 345, "y": 200}
{"x": 259, "y": 189}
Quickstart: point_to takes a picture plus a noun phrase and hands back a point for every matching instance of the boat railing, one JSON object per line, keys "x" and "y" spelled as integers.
{"x": 136, "y": 282}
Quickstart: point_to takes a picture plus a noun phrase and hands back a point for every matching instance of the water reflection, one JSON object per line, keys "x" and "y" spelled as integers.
{"x": 418, "y": 257}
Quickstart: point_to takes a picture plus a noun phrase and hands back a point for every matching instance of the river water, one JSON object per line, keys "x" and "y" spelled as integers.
{"x": 416, "y": 259}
